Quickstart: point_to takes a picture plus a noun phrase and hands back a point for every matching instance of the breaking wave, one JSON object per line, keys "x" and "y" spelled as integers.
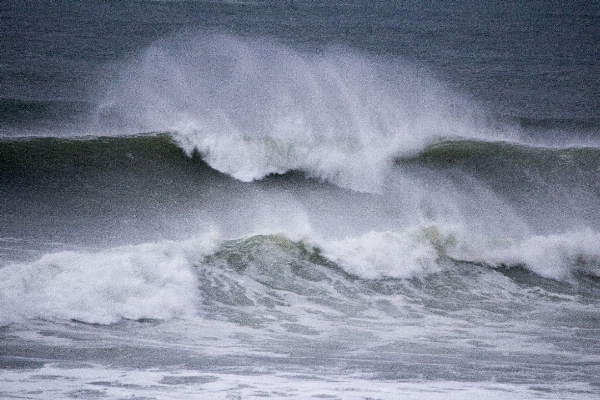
{"x": 169, "y": 279}
{"x": 256, "y": 107}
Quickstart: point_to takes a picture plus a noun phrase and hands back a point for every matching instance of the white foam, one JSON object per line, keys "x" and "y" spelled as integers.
{"x": 146, "y": 281}
{"x": 254, "y": 108}
{"x": 417, "y": 250}
{"x": 555, "y": 256}
{"x": 412, "y": 252}
{"x": 157, "y": 280}
{"x": 114, "y": 383}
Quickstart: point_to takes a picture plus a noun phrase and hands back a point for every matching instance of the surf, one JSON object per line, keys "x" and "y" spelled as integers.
{"x": 266, "y": 277}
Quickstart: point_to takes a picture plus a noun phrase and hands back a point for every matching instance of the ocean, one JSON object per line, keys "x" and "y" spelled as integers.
{"x": 299, "y": 199}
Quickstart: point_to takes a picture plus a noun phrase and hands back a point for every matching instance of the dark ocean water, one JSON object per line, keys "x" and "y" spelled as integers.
{"x": 306, "y": 199}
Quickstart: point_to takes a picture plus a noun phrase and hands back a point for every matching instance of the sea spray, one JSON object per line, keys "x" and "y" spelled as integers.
{"x": 256, "y": 107}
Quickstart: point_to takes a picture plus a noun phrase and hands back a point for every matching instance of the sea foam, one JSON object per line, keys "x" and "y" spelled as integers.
{"x": 555, "y": 256}
{"x": 420, "y": 250}
{"x": 160, "y": 280}
{"x": 149, "y": 281}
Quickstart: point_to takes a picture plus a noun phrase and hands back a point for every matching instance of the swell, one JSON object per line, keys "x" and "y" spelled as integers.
{"x": 98, "y": 192}
{"x": 493, "y": 158}
{"x": 102, "y": 172}
{"x": 556, "y": 186}
{"x": 526, "y": 176}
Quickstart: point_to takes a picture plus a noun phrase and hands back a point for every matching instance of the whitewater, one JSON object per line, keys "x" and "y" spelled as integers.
{"x": 249, "y": 212}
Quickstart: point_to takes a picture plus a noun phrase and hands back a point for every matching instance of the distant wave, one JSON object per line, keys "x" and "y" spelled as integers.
{"x": 255, "y": 107}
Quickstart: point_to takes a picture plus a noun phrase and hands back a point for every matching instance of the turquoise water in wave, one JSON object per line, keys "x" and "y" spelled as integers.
{"x": 300, "y": 199}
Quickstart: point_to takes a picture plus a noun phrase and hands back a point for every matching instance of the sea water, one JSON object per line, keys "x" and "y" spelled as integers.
{"x": 300, "y": 199}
